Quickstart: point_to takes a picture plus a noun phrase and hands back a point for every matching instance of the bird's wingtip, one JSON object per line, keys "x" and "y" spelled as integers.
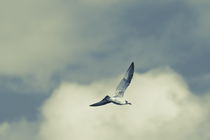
{"x": 92, "y": 105}
{"x": 132, "y": 64}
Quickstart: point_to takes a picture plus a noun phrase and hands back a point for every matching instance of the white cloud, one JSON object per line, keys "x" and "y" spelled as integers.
{"x": 162, "y": 108}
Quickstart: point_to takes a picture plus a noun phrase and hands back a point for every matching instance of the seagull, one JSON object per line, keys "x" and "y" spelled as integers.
{"x": 120, "y": 90}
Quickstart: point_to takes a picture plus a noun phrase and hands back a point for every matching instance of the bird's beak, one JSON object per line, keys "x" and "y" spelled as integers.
{"x": 130, "y": 104}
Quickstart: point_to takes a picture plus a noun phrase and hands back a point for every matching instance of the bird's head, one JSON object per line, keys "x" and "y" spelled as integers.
{"x": 126, "y": 102}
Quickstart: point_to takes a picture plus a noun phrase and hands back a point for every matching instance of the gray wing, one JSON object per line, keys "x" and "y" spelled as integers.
{"x": 104, "y": 101}
{"x": 125, "y": 82}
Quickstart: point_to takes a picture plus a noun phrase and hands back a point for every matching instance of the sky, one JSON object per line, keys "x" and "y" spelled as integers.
{"x": 59, "y": 56}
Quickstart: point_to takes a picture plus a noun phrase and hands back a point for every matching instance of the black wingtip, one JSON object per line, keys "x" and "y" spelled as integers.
{"x": 92, "y": 105}
{"x": 95, "y": 104}
{"x": 132, "y": 65}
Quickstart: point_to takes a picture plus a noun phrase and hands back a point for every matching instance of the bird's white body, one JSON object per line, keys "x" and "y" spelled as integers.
{"x": 118, "y": 100}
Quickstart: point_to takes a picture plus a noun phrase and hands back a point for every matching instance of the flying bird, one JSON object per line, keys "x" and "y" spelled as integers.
{"x": 120, "y": 90}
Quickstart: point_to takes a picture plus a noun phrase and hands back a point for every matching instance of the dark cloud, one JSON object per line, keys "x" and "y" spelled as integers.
{"x": 152, "y": 34}
{"x": 15, "y": 106}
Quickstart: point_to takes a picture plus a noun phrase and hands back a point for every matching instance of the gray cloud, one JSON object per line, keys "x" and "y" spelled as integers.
{"x": 22, "y": 130}
{"x": 46, "y": 39}
{"x": 15, "y": 106}
{"x": 165, "y": 33}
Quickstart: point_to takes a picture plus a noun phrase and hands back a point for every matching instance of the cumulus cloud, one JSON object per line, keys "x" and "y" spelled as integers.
{"x": 162, "y": 108}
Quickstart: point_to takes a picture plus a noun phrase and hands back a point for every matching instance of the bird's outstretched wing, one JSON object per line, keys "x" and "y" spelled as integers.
{"x": 125, "y": 82}
{"x": 102, "y": 102}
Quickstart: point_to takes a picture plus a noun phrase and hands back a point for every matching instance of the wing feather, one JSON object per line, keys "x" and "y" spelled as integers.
{"x": 104, "y": 101}
{"x": 125, "y": 82}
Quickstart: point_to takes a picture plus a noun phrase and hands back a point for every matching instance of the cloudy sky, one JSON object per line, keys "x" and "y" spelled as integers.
{"x": 59, "y": 56}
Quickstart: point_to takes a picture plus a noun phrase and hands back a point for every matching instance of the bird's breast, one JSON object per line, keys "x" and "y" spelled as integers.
{"x": 117, "y": 100}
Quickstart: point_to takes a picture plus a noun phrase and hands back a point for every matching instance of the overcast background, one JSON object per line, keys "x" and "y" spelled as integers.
{"x": 58, "y": 48}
